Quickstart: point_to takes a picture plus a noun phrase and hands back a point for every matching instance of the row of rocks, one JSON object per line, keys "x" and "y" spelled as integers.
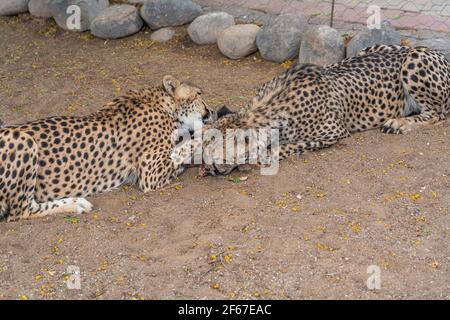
{"x": 284, "y": 37}
{"x": 277, "y": 40}
{"x": 107, "y": 21}
{"x": 234, "y": 41}
{"x": 281, "y": 37}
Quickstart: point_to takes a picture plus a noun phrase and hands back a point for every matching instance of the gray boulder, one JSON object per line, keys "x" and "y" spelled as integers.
{"x": 40, "y": 8}
{"x": 13, "y": 7}
{"x": 116, "y": 22}
{"x": 206, "y": 28}
{"x": 90, "y": 9}
{"x": 442, "y": 45}
{"x": 238, "y": 41}
{"x": 162, "y": 35}
{"x": 322, "y": 45}
{"x": 169, "y": 13}
{"x": 279, "y": 39}
{"x": 370, "y": 37}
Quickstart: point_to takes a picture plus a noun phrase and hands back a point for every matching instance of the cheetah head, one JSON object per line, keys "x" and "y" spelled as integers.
{"x": 216, "y": 138}
{"x": 190, "y": 108}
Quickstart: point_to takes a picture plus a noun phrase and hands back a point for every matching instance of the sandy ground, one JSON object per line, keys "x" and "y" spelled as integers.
{"x": 311, "y": 231}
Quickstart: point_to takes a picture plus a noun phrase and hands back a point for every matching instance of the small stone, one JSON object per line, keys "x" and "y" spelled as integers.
{"x": 162, "y": 35}
{"x": 40, "y": 8}
{"x": 116, "y": 22}
{"x": 169, "y": 13}
{"x": 370, "y": 37}
{"x": 206, "y": 28}
{"x": 13, "y": 7}
{"x": 279, "y": 39}
{"x": 89, "y": 10}
{"x": 238, "y": 41}
{"x": 322, "y": 45}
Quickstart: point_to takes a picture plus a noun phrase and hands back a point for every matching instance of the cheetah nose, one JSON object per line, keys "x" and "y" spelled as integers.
{"x": 206, "y": 115}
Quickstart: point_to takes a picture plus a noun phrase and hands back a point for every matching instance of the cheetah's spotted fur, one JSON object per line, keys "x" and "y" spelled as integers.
{"x": 47, "y": 166}
{"x": 394, "y": 88}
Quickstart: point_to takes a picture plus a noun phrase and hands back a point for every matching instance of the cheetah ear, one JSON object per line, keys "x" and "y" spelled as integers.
{"x": 171, "y": 84}
{"x": 222, "y": 111}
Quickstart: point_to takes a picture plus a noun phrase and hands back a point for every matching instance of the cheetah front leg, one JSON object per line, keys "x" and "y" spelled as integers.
{"x": 164, "y": 168}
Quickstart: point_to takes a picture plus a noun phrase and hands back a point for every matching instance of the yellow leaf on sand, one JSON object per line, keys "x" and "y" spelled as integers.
{"x": 287, "y": 64}
{"x": 228, "y": 258}
{"x": 355, "y": 226}
{"x": 415, "y": 196}
{"x": 324, "y": 247}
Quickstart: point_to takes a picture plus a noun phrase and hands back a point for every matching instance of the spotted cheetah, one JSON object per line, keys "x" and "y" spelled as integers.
{"x": 395, "y": 88}
{"x": 48, "y": 166}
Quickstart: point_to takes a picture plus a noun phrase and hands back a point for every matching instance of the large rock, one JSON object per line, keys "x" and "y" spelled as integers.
{"x": 116, "y": 22}
{"x": 162, "y": 35}
{"x": 370, "y": 37}
{"x": 238, "y": 41}
{"x": 12, "y": 7}
{"x": 279, "y": 39}
{"x": 169, "y": 13}
{"x": 206, "y": 28}
{"x": 322, "y": 45}
{"x": 90, "y": 9}
{"x": 40, "y": 8}
{"x": 442, "y": 45}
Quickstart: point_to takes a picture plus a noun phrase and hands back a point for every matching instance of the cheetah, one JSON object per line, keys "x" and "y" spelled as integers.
{"x": 49, "y": 166}
{"x": 395, "y": 88}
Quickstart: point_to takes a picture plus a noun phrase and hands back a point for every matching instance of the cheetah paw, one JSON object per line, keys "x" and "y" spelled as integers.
{"x": 396, "y": 126}
{"x": 83, "y": 206}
